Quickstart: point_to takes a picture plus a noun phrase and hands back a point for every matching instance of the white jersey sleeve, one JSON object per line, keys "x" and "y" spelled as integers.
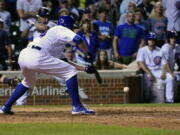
{"x": 165, "y": 52}
{"x": 140, "y": 57}
{"x": 66, "y": 35}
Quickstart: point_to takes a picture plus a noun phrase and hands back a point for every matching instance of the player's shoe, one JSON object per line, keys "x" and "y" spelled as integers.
{"x": 5, "y": 110}
{"x": 81, "y": 110}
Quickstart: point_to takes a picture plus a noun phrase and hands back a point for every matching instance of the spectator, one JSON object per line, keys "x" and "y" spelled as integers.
{"x": 11, "y": 7}
{"x": 47, "y": 3}
{"x": 63, "y": 12}
{"x": 105, "y": 32}
{"x": 158, "y": 23}
{"x": 103, "y": 62}
{"x": 91, "y": 40}
{"x": 87, "y": 14}
{"x": 42, "y": 24}
{"x": 90, "y": 2}
{"x": 114, "y": 12}
{"x": 74, "y": 4}
{"x": 10, "y": 81}
{"x": 27, "y": 10}
{"x": 128, "y": 38}
{"x": 139, "y": 20}
{"x": 123, "y": 18}
{"x": 152, "y": 62}
{"x": 124, "y": 5}
{"x": 172, "y": 12}
{"x": 61, "y": 4}
{"x": 171, "y": 50}
{"x": 69, "y": 53}
{"x": 6, "y": 16}
{"x": 91, "y": 5}
{"x": 146, "y": 7}
{"x": 5, "y": 48}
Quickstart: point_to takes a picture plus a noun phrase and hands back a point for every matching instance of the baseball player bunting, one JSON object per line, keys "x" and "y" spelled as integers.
{"x": 42, "y": 55}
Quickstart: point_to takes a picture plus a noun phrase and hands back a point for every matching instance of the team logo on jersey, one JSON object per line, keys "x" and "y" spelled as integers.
{"x": 157, "y": 60}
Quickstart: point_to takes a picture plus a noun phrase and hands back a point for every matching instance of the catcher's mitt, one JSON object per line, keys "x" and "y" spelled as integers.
{"x": 14, "y": 81}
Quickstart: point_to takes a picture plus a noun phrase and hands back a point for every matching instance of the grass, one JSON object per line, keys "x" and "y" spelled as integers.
{"x": 77, "y": 129}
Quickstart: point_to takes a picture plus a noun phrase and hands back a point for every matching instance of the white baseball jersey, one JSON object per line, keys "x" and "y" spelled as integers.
{"x": 170, "y": 54}
{"x": 55, "y": 40}
{"x": 37, "y": 34}
{"x": 42, "y": 55}
{"x": 153, "y": 59}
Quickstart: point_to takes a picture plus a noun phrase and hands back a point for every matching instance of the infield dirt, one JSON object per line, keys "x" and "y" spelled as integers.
{"x": 147, "y": 117}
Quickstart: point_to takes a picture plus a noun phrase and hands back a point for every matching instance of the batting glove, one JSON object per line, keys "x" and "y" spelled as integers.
{"x": 90, "y": 69}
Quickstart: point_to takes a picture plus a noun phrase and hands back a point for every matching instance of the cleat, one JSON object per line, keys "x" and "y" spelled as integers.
{"x": 81, "y": 110}
{"x": 6, "y": 111}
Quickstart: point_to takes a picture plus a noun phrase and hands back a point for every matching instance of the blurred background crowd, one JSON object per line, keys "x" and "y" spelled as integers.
{"x": 113, "y": 30}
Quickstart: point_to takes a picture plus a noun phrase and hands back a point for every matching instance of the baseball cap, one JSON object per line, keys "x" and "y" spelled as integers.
{"x": 66, "y": 21}
{"x": 43, "y": 12}
{"x": 87, "y": 11}
{"x": 151, "y": 35}
{"x": 172, "y": 34}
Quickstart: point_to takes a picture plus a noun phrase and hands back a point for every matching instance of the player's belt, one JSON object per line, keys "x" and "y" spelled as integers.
{"x": 36, "y": 47}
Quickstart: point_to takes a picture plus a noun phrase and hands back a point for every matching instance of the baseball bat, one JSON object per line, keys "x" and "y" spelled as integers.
{"x": 97, "y": 75}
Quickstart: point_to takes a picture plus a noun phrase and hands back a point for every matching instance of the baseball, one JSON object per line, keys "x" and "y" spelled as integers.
{"x": 126, "y": 89}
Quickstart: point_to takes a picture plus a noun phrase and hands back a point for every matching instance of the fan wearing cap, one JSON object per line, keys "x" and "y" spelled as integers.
{"x": 152, "y": 61}
{"x": 42, "y": 24}
{"x": 5, "y": 49}
{"x": 171, "y": 49}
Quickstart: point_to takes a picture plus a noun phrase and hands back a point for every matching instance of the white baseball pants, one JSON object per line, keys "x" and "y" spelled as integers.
{"x": 32, "y": 61}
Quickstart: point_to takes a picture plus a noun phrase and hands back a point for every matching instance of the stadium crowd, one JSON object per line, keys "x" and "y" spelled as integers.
{"x": 113, "y": 30}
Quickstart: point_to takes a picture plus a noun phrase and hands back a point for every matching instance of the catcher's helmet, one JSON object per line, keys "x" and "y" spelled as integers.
{"x": 172, "y": 34}
{"x": 43, "y": 12}
{"x": 151, "y": 35}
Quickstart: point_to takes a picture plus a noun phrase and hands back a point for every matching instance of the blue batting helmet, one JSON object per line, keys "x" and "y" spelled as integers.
{"x": 151, "y": 35}
{"x": 172, "y": 34}
{"x": 66, "y": 21}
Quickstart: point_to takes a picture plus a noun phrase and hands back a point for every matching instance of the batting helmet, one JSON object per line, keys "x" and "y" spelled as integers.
{"x": 43, "y": 12}
{"x": 66, "y": 21}
{"x": 151, "y": 35}
{"x": 172, "y": 34}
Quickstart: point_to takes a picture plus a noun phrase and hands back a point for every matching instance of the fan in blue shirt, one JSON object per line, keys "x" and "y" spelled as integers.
{"x": 128, "y": 38}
